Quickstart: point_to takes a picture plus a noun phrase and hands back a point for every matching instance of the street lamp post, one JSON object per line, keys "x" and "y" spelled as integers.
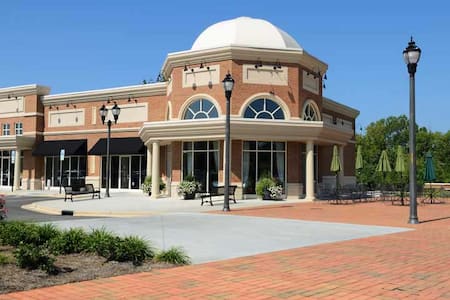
{"x": 103, "y": 114}
{"x": 411, "y": 55}
{"x": 228, "y": 84}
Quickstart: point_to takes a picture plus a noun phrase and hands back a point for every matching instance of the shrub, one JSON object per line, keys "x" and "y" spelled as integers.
{"x": 31, "y": 258}
{"x": 101, "y": 242}
{"x": 174, "y": 255}
{"x": 131, "y": 248}
{"x": 147, "y": 185}
{"x": 69, "y": 241}
{"x": 15, "y": 232}
{"x": 46, "y": 232}
{"x": 264, "y": 183}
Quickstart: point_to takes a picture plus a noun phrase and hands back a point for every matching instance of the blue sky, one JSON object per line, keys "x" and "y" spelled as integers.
{"x": 85, "y": 44}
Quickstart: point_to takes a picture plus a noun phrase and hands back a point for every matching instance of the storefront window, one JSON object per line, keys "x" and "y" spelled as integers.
{"x": 73, "y": 170}
{"x": 262, "y": 159}
{"x": 201, "y": 160}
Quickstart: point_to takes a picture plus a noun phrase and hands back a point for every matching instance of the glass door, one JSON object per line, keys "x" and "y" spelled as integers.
{"x": 5, "y": 171}
{"x": 124, "y": 172}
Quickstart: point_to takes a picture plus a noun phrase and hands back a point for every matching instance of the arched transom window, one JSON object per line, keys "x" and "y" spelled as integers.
{"x": 310, "y": 112}
{"x": 201, "y": 109}
{"x": 263, "y": 109}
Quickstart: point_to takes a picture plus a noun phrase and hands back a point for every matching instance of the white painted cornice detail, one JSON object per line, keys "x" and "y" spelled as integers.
{"x": 339, "y": 108}
{"x": 16, "y": 142}
{"x": 245, "y": 129}
{"x": 152, "y": 89}
{"x": 179, "y": 59}
{"x": 92, "y": 131}
{"x": 24, "y": 90}
{"x": 21, "y": 115}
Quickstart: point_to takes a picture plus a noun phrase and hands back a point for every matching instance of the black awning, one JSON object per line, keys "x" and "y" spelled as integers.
{"x": 133, "y": 145}
{"x": 53, "y": 148}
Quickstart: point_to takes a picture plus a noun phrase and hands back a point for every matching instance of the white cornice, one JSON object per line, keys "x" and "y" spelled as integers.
{"x": 179, "y": 59}
{"x": 91, "y": 131}
{"x": 17, "y": 142}
{"x": 340, "y": 108}
{"x": 245, "y": 129}
{"x": 21, "y": 115}
{"x": 152, "y": 89}
{"x": 24, "y": 90}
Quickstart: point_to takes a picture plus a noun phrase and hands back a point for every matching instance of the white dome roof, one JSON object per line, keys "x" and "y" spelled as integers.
{"x": 245, "y": 32}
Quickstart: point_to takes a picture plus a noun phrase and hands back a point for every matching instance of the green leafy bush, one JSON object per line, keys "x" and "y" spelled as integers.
{"x": 131, "y": 248}
{"x": 264, "y": 183}
{"x": 147, "y": 185}
{"x": 30, "y": 257}
{"x": 46, "y": 232}
{"x": 69, "y": 241}
{"x": 15, "y": 232}
{"x": 174, "y": 255}
{"x": 101, "y": 241}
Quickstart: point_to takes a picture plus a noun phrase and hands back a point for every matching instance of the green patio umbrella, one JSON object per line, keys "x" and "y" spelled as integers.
{"x": 400, "y": 167}
{"x": 359, "y": 160}
{"x": 383, "y": 165}
{"x": 335, "y": 165}
{"x": 430, "y": 175}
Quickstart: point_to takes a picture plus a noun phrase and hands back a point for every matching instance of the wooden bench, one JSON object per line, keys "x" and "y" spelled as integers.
{"x": 219, "y": 191}
{"x": 70, "y": 191}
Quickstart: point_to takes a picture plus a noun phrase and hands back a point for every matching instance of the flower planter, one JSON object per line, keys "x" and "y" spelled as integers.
{"x": 189, "y": 196}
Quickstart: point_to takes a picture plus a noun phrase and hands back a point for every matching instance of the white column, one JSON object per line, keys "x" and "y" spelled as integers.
{"x": 155, "y": 170}
{"x": 17, "y": 168}
{"x": 341, "y": 173}
{"x": 149, "y": 161}
{"x": 309, "y": 171}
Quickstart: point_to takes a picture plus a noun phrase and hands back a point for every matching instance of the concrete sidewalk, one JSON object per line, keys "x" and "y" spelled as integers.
{"x": 128, "y": 204}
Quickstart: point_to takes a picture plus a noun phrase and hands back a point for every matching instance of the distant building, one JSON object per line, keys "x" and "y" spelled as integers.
{"x": 281, "y": 125}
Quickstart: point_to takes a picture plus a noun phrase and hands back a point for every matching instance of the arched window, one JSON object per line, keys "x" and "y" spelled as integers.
{"x": 264, "y": 109}
{"x": 201, "y": 109}
{"x": 310, "y": 112}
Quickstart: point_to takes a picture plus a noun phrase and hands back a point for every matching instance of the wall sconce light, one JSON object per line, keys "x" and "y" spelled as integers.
{"x": 185, "y": 68}
{"x": 67, "y": 104}
{"x": 258, "y": 64}
{"x": 277, "y": 65}
{"x": 109, "y": 100}
{"x": 129, "y": 98}
{"x": 201, "y": 65}
{"x": 50, "y": 107}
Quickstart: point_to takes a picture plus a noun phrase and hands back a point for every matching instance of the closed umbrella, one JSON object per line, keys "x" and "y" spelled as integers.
{"x": 359, "y": 160}
{"x": 336, "y": 165}
{"x": 430, "y": 175}
{"x": 383, "y": 164}
{"x": 400, "y": 167}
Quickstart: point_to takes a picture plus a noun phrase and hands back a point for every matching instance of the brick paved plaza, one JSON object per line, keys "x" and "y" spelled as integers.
{"x": 408, "y": 265}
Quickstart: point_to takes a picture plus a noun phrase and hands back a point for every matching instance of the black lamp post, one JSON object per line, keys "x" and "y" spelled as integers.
{"x": 103, "y": 113}
{"x": 228, "y": 84}
{"x": 411, "y": 55}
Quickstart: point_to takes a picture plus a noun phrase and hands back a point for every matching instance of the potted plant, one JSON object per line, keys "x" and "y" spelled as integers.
{"x": 269, "y": 189}
{"x": 147, "y": 185}
{"x": 188, "y": 187}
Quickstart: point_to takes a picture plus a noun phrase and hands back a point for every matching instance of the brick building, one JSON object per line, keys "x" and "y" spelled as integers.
{"x": 281, "y": 125}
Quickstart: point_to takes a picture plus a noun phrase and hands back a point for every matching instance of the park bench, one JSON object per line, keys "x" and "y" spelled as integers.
{"x": 219, "y": 191}
{"x": 70, "y": 191}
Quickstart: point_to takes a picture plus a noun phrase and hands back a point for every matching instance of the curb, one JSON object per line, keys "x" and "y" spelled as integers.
{"x": 53, "y": 211}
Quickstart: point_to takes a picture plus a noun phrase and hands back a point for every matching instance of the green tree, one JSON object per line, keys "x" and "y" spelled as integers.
{"x": 390, "y": 132}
